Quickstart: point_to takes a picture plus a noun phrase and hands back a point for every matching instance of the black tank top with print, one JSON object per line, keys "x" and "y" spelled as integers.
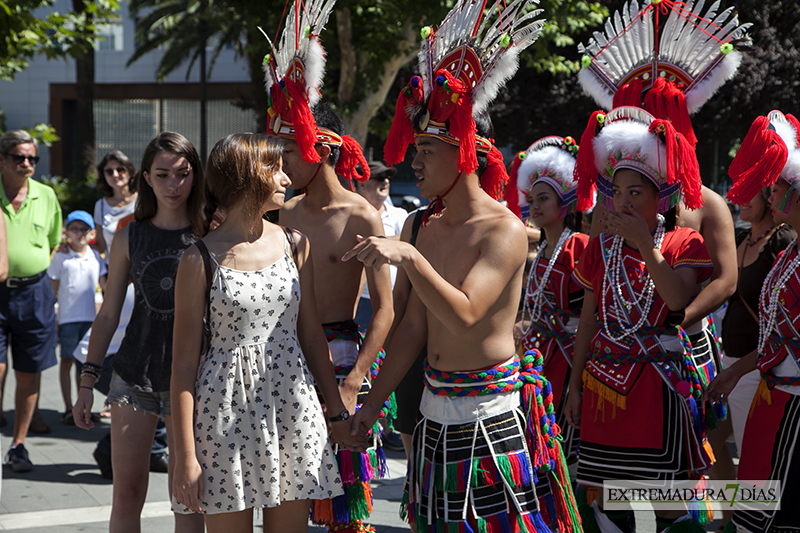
{"x": 144, "y": 358}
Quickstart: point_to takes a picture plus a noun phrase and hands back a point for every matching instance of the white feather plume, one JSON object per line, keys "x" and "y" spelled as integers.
{"x": 499, "y": 63}
{"x": 784, "y": 128}
{"x": 296, "y": 43}
{"x": 689, "y": 40}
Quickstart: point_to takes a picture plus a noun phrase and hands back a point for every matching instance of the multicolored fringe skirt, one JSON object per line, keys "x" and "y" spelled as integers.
{"x": 345, "y": 512}
{"x": 771, "y": 450}
{"x": 476, "y": 454}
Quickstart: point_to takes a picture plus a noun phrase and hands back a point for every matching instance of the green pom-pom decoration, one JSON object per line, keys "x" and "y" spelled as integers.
{"x": 726, "y": 48}
{"x": 505, "y": 40}
{"x": 308, "y": 32}
{"x": 521, "y": 156}
{"x": 601, "y": 118}
{"x": 426, "y": 32}
{"x": 586, "y": 61}
{"x": 266, "y": 59}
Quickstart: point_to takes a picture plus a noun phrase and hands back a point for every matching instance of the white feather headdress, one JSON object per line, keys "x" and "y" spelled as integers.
{"x": 294, "y": 72}
{"x": 698, "y": 51}
{"x": 463, "y": 64}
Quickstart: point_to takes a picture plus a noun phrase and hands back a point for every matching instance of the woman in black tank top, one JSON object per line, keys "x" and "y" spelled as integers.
{"x": 146, "y": 253}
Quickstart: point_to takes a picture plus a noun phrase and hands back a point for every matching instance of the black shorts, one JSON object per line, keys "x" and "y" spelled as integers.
{"x": 28, "y": 326}
{"x": 408, "y": 395}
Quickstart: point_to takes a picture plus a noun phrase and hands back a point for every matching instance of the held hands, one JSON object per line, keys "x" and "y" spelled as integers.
{"x": 631, "y": 227}
{"x": 572, "y": 409}
{"x": 378, "y": 251}
{"x": 187, "y": 487}
{"x": 349, "y": 397}
{"x": 82, "y": 409}
{"x": 360, "y": 425}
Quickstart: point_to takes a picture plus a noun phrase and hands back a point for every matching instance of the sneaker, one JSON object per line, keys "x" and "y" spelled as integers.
{"x": 17, "y": 459}
{"x": 392, "y": 441}
{"x": 159, "y": 462}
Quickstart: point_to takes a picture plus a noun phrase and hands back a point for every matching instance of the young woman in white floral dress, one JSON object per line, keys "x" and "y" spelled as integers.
{"x": 250, "y": 431}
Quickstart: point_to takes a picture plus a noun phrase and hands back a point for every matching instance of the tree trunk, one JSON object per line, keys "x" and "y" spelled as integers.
{"x": 84, "y": 113}
{"x": 347, "y": 74}
{"x": 357, "y": 123}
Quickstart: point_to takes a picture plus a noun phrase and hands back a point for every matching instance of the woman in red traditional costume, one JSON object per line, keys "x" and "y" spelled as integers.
{"x": 635, "y": 393}
{"x": 769, "y": 450}
{"x": 548, "y": 198}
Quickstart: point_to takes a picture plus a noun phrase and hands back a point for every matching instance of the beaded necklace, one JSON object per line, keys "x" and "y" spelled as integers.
{"x": 534, "y": 305}
{"x": 643, "y": 302}
{"x": 781, "y": 272}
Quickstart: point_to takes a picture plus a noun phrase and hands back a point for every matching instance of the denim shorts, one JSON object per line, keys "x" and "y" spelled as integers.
{"x": 28, "y": 326}
{"x": 121, "y": 393}
{"x": 69, "y": 335}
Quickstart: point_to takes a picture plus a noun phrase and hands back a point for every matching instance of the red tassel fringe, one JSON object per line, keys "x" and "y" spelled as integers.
{"x": 681, "y": 163}
{"x": 461, "y": 123}
{"x": 585, "y": 172}
{"x": 495, "y": 175}
{"x": 511, "y": 194}
{"x": 305, "y": 127}
{"x": 758, "y": 163}
{"x": 350, "y": 157}
{"x": 629, "y": 94}
{"x": 666, "y": 101}
{"x": 401, "y": 134}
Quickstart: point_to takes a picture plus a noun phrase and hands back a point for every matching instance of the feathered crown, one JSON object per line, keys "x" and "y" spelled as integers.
{"x": 679, "y": 66}
{"x": 632, "y": 138}
{"x": 771, "y": 150}
{"x": 462, "y": 66}
{"x": 293, "y": 78}
{"x": 550, "y": 160}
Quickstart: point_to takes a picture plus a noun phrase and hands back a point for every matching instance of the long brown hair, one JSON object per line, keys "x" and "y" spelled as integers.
{"x": 173, "y": 143}
{"x": 241, "y": 168}
{"x": 122, "y": 159}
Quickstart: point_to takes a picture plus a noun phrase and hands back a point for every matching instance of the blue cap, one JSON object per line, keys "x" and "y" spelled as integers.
{"x": 83, "y": 216}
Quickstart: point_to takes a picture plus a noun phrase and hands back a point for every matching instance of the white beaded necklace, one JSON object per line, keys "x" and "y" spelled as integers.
{"x": 643, "y": 303}
{"x": 781, "y": 272}
{"x": 534, "y": 303}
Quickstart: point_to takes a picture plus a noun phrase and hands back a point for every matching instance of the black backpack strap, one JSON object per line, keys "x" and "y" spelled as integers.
{"x": 292, "y": 243}
{"x": 415, "y": 225}
{"x": 209, "y": 270}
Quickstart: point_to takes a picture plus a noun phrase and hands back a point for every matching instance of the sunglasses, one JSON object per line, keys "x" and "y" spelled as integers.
{"x": 110, "y": 171}
{"x": 381, "y": 177}
{"x": 18, "y": 159}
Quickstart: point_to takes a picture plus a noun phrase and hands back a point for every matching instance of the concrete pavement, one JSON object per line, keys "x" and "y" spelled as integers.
{"x": 66, "y": 493}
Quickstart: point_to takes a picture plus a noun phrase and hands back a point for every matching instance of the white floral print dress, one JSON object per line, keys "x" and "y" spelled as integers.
{"x": 260, "y": 433}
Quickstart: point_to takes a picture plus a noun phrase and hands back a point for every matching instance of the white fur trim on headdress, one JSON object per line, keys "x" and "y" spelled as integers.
{"x": 550, "y": 162}
{"x": 629, "y": 144}
{"x": 784, "y": 128}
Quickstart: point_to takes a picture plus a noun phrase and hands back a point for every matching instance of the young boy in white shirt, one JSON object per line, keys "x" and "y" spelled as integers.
{"x": 75, "y": 276}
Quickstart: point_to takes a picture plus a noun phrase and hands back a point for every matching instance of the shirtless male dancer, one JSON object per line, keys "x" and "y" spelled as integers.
{"x": 316, "y": 154}
{"x": 331, "y": 217}
{"x": 471, "y": 460}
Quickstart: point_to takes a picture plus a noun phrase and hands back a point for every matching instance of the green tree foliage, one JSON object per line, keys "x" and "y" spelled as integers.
{"x": 368, "y": 43}
{"x": 56, "y": 36}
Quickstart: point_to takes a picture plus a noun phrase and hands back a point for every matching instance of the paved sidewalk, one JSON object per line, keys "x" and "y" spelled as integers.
{"x": 66, "y": 493}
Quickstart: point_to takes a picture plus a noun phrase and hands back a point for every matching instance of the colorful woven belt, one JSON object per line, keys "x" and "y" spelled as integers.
{"x": 542, "y": 434}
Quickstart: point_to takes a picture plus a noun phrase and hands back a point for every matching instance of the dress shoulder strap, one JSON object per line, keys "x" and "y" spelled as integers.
{"x": 209, "y": 271}
{"x": 292, "y": 242}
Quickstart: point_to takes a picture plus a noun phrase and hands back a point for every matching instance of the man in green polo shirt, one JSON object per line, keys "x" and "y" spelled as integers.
{"x": 27, "y": 319}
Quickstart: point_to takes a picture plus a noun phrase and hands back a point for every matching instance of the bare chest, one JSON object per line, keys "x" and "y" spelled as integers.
{"x": 451, "y": 253}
